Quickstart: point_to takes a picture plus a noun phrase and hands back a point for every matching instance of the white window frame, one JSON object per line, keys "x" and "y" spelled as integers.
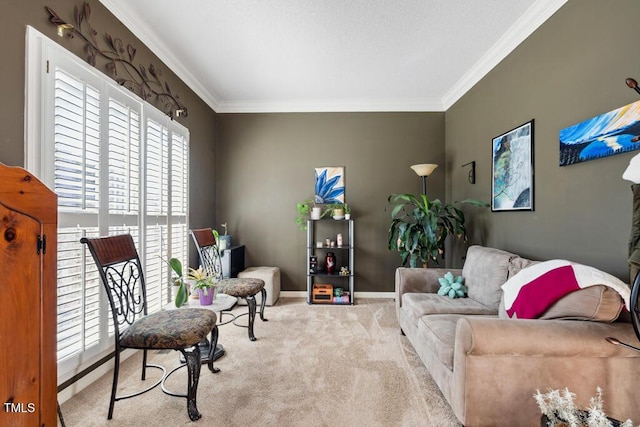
{"x": 41, "y": 55}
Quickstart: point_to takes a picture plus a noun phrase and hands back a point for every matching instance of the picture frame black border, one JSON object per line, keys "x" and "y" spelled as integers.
{"x": 530, "y": 208}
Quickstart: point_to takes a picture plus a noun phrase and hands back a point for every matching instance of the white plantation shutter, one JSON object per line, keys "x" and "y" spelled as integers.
{"x": 77, "y": 143}
{"x": 118, "y": 166}
{"x": 179, "y": 195}
{"x": 76, "y": 179}
{"x": 166, "y": 201}
{"x": 124, "y": 158}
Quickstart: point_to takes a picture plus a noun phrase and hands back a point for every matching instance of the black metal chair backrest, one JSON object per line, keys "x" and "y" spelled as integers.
{"x": 206, "y": 244}
{"x": 121, "y": 274}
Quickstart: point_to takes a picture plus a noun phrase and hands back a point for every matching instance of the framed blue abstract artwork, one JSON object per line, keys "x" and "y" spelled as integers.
{"x": 615, "y": 132}
{"x": 329, "y": 184}
{"x": 512, "y": 172}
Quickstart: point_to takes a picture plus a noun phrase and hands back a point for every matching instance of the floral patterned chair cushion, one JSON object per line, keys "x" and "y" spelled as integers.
{"x": 240, "y": 288}
{"x": 174, "y": 329}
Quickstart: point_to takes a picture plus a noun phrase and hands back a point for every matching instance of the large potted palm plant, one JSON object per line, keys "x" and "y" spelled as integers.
{"x": 419, "y": 226}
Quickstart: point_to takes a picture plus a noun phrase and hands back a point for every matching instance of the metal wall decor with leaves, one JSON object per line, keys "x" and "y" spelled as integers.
{"x": 144, "y": 82}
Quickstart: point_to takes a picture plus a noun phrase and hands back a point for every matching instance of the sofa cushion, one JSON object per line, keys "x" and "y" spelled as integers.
{"x": 518, "y": 263}
{"x": 596, "y": 303}
{"x": 484, "y": 272}
{"x": 438, "y": 333}
{"x": 417, "y": 305}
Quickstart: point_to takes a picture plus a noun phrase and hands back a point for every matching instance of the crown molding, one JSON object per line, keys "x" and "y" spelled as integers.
{"x": 533, "y": 18}
{"x": 142, "y": 30}
{"x": 323, "y": 106}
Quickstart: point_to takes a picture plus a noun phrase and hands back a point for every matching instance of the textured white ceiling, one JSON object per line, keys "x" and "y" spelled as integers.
{"x": 331, "y": 55}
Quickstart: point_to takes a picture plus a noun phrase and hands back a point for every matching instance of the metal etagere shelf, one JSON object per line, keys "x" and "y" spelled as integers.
{"x": 318, "y": 247}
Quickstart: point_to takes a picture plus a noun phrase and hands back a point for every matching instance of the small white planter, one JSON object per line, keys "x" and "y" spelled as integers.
{"x": 316, "y": 213}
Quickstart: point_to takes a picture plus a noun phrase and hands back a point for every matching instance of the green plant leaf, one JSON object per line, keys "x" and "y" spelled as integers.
{"x": 176, "y": 266}
{"x": 181, "y": 295}
{"x": 395, "y": 210}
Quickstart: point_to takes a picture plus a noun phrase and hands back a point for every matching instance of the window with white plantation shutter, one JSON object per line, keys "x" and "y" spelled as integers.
{"x": 118, "y": 166}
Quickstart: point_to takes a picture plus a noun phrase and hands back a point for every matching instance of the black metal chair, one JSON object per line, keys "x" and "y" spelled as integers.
{"x": 246, "y": 288}
{"x": 181, "y": 329}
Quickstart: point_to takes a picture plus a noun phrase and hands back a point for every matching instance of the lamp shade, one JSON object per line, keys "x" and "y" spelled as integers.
{"x": 424, "y": 169}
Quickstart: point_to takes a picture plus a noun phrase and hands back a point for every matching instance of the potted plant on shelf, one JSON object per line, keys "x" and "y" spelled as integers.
{"x": 205, "y": 284}
{"x": 347, "y": 211}
{"x": 335, "y": 210}
{"x": 223, "y": 240}
{"x": 419, "y": 226}
{"x": 307, "y": 209}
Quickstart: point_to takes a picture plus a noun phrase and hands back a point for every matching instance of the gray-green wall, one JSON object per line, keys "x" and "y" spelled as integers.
{"x": 266, "y": 165}
{"x": 571, "y": 69}
{"x": 17, "y": 14}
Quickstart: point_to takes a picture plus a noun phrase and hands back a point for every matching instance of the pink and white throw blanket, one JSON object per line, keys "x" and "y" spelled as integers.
{"x": 534, "y": 289}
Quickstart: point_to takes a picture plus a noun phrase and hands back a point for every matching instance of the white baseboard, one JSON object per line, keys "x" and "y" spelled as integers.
{"x": 303, "y": 294}
{"x": 385, "y": 295}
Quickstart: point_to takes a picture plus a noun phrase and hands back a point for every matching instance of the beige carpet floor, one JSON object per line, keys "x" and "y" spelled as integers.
{"x": 311, "y": 366}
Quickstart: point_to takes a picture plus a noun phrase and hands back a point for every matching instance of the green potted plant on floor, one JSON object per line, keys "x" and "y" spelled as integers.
{"x": 419, "y": 226}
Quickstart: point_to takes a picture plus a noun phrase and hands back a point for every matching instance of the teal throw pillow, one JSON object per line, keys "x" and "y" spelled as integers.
{"x": 452, "y": 287}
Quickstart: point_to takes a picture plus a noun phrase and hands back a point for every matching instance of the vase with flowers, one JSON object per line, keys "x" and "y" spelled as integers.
{"x": 205, "y": 284}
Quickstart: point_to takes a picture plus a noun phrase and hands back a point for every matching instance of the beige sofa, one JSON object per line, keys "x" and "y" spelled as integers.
{"x": 489, "y": 366}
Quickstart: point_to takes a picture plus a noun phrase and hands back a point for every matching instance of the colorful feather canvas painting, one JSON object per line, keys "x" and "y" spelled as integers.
{"x": 615, "y": 132}
{"x": 329, "y": 184}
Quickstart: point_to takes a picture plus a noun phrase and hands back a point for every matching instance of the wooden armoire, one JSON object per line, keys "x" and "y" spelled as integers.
{"x": 28, "y": 246}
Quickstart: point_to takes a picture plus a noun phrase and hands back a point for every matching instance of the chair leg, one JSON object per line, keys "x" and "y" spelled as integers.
{"x": 114, "y": 386}
{"x": 212, "y": 349}
{"x": 60, "y": 417}
{"x": 263, "y": 302}
{"x": 192, "y": 357}
{"x": 144, "y": 364}
{"x": 251, "y": 302}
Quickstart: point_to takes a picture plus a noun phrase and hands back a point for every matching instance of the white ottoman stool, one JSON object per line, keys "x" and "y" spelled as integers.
{"x": 271, "y": 277}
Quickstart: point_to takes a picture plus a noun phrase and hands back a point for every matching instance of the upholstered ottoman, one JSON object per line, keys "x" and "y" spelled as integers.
{"x": 271, "y": 277}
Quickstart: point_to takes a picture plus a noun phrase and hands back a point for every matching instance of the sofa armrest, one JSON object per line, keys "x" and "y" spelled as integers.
{"x": 420, "y": 280}
{"x": 514, "y": 358}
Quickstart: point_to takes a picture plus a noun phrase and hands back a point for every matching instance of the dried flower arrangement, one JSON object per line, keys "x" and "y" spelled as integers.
{"x": 560, "y": 410}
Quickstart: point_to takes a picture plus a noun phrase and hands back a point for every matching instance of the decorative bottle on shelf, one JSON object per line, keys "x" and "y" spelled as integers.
{"x": 330, "y": 262}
